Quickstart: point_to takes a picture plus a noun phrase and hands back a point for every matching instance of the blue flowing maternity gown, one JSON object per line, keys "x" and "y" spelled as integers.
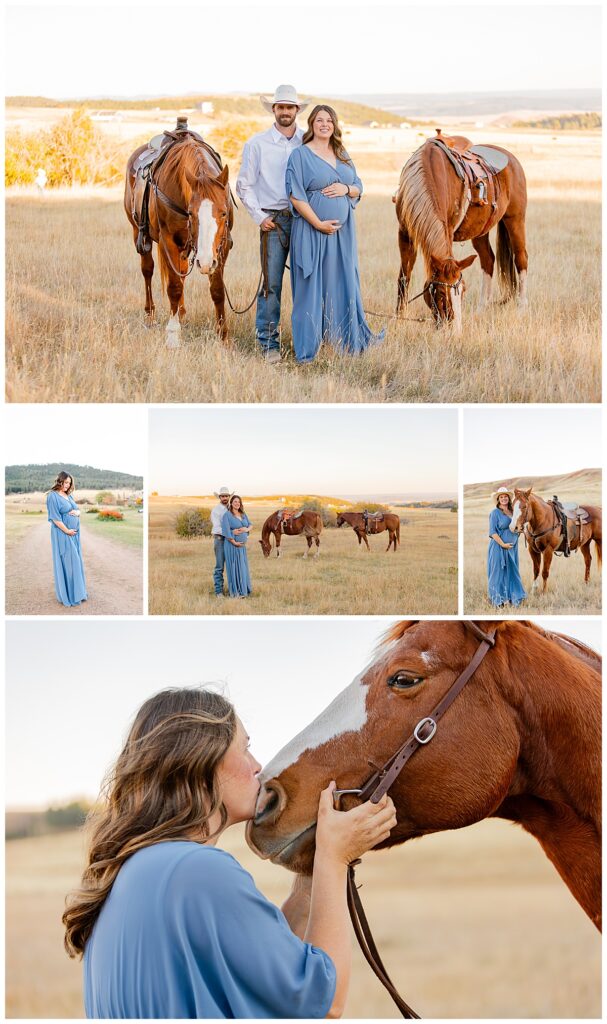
{"x": 504, "y": 579}
{"x": 237, "y": 562}
{"x": 327, "y": 303}
{"x": 185, "y": 933}
{"x": 68, "y": 568}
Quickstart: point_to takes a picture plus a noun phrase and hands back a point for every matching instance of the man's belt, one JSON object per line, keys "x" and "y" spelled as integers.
{"x": 285, "y": 210}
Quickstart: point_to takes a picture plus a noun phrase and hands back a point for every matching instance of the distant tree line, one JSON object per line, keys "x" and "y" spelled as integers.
{"x": 562, "y": 122}
{"x": 24, "y": 479}
{"x": 25, "y": 824}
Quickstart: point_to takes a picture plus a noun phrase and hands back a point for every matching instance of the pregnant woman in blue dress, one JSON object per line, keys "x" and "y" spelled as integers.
{"x": 64, "y": 517}
{"x": 324, "y": 189}
{"x": 170, "y": 926}
{"x": 236, "y": 527}
{"x": 504, "y": 579}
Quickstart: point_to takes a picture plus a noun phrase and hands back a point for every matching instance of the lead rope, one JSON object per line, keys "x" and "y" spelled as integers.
{"x": 368, "y": 947}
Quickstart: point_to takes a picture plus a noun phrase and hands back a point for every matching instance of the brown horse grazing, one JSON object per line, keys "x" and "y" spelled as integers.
{"x": 390, "y": 522}
{"x": 521, "y": 741}
{"x": 544, "y": 532}
{"x": 434, "y": 210}
{"x": 191, "y": 215}
{"x": 307, "y": 522}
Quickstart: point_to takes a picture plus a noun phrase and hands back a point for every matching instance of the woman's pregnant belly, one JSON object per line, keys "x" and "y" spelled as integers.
{"x": 327, "y": 208}
{"x": 71, "y": 522}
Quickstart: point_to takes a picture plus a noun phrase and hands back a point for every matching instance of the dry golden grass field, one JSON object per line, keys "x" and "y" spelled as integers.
{"x": 567, "y": 594}
{"x": 420, "y": 578}
{"x": 75, "y": 330}
{"x": 471, "y": 924}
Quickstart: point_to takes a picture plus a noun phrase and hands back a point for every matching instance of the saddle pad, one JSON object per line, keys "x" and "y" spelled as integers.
{"x": 494, "y": 157}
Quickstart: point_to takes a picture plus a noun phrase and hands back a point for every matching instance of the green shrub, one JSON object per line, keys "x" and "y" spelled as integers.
{"x": 328, "y": 515}
{"x": 193, "y": 522}
{"x": 90, "y": 511}
{"x": 105, "y": 498}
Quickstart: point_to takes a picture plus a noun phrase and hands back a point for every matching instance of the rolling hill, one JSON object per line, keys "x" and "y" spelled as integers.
{"x": 579, "y": 481}
{"x": 24, "y": 479}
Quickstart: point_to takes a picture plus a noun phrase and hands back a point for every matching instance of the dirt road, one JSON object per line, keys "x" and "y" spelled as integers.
{"x": 114, "y": 576}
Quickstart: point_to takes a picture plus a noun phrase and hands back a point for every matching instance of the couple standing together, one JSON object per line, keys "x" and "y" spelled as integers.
{"x": 230, "y": 527}
{"x": 302, "y": 189}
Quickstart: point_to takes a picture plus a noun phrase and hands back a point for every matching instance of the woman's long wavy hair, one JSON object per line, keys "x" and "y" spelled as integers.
{"x": 230, "y": 502}
{"x": 335, "y": 141}
{"x": 59, "y": 482}
{"x": 162, "y": 788}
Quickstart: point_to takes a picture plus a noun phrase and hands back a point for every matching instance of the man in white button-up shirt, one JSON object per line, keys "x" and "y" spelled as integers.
{"x": 261, "y": 186}
{"x": 217, "y": 515}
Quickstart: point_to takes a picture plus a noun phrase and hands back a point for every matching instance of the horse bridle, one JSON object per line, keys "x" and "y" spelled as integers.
{"x": 529, "y": 532}
{"x": 191, "y": 246}
{"x": 431, "y": 289}
{"x": 378, "y": 785}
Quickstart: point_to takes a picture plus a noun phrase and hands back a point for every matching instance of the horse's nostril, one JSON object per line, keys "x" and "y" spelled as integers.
{"x": 268, "y": 804}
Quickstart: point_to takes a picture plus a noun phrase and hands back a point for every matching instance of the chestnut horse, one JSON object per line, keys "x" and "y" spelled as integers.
{"x": 434, "y": 211}
{"x": 192, "y": 227}
{"x": 308, "y": 523}
{"x": 521, "y": 741}
{"x": 390, "y": 522}
{"x": 544, "y": 533}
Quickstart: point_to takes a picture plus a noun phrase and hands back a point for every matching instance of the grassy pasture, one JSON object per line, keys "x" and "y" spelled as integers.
{"x": 420, "y": 578}
{"x": 471, "y": 924}
{"x": 75, "y": 327}
{"x": 567, "y": 594}
{"x": 24, "y": 510}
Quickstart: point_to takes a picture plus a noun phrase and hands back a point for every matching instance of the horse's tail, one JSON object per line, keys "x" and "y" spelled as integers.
{"x": 506, "y": 267}
{"x": 398, "y": 531}
{"x": 598, "y": 545}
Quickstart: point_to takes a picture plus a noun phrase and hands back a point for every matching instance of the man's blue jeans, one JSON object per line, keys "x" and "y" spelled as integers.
{"x": 220, "y": 561}
{"x": 267, "y": 318}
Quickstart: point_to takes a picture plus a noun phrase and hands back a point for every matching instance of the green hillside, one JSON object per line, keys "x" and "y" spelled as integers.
{"x": 24, "y": 479}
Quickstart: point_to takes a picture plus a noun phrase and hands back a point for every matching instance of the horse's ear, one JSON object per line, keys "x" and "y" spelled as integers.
{"x": 467, "y": 261}
{"x": 528, "y": 491}
{"x": 223, "y": 177}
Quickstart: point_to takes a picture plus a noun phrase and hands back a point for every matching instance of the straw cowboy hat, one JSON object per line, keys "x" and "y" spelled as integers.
{"x": 223, "y": 491}
{"x": 284, "y": 94}
{"x": 502, "y": 490}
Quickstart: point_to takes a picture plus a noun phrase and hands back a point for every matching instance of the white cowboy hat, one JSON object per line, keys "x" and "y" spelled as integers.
{"x": 222, "y": 491}
{"x": 502, "y": 490}
{"x": 284, "y": 94}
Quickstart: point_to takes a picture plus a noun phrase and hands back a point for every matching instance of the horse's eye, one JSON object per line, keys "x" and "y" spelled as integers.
{"x": 402, "y": 681}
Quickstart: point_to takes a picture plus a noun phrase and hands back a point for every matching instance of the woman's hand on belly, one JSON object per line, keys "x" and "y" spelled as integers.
{"x": 337, "y": 190}
{"x": 329, "y": 227}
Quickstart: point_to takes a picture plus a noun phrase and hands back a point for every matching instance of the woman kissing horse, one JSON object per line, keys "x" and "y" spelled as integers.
{"x": 306, "y": 522}
{"x": 520, "y": 741}
{"x": 543, "y": 531}
{"x": 434, "y": 208}
{"x": 190, "y": 218}
{"x": 389, "y": 522}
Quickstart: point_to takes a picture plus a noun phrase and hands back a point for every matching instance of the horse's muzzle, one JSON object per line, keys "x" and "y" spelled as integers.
{"x": 207, "y": 268}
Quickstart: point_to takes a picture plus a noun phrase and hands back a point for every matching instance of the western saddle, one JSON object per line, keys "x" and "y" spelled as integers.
{"x": 572, "y": 518}
{"x": 371, "y": 520}
{"x": 147, "y": 165}
{"x": 477, "y": 166}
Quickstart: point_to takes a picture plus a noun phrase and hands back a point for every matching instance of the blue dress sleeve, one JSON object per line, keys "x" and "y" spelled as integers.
{"x": 226, "y": 527}
{"x": 494, "y": 521}
{"x": 357, "y": 183}
{"x": 244, "y": 945}
{"x": 294, "y": 178}
{"x": 53, "y": 507}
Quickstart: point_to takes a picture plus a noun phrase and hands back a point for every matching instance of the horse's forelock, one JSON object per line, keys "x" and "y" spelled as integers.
{"x": 397, "y": 631}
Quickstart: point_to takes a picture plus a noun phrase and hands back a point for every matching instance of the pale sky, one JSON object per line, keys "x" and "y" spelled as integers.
{"x": 73, "y": 687}
{"x": 517, "y": 441}
{"x": 333, "y": 451}
{"x": 338, "y": 48}
{"x": 103, "y": 436}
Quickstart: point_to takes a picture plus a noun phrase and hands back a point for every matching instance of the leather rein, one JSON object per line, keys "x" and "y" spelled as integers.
{"x": 378, "y": 785}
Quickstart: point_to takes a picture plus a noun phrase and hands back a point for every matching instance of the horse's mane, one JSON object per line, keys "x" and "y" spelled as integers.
{"x": 417, "y": 208}
{"x": 576, "y": 648}
{"x": 192, "y": 156}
